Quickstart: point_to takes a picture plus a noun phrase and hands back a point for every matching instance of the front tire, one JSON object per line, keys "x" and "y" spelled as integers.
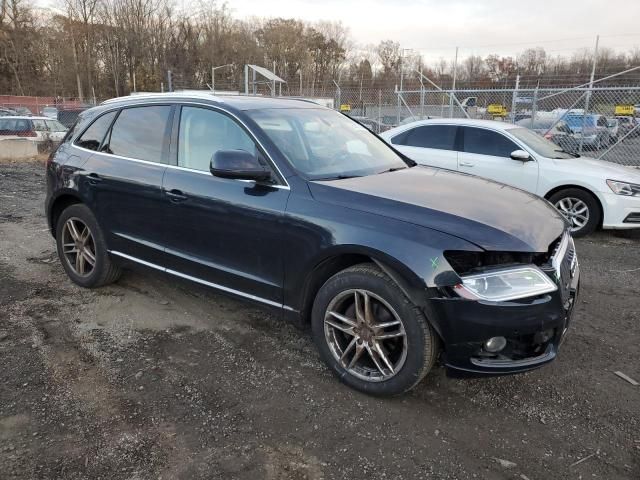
{"x": 82, "y": 249}
{"x": 370, "y": 334}
{"x": 580, "y": 208}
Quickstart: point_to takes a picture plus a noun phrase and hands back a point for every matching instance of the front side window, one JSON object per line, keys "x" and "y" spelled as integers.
{"x": 139, "y": 132}
{"x": 487, "y": 142}
{"x": 323, "y": 144}
{"x": 440, "y": 137}
{"x": 203, "y": 132}
{"x": 93, "y": 136}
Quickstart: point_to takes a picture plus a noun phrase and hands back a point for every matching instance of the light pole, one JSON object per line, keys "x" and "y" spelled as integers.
{"x": 213, "y": 75}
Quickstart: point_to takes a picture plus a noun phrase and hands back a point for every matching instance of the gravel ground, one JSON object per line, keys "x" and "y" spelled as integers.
{"x": 157, "y": 378}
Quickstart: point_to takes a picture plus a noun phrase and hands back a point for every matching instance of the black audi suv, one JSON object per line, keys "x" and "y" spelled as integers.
{"x": 300, "y": 209}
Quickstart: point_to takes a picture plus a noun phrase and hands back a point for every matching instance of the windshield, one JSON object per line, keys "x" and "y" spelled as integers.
{"x": 56, "y": 126}
{"x": 539, "y": 144}
{"x": 323, "y": 144}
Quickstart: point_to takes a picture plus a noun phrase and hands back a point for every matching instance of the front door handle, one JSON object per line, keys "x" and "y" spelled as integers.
{"x": 94, "y": 178}
{"x": 466, "y": 164}
{"x": 176, "y": 195}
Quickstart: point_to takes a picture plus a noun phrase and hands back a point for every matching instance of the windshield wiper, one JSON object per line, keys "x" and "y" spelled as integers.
{"x": 393, "y": 169}
{"x": 338, "y": 177}
{"x": 562, "y": 150}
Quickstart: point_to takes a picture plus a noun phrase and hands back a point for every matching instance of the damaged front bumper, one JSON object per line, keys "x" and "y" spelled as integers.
{"x": 533, "y": 328}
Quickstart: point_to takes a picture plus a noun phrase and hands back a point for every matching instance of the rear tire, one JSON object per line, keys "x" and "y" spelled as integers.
{"x": 571, "y": 203}
{"x": 408, "y": 345}
{"x": 82, "y": 249}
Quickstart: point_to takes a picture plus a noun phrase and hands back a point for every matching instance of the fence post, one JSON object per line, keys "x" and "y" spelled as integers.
{"x": 398, "y": 106}
{"x": 453, "y": 85}
{"x": 588, "y": 99}
{"x": 534, "y": 104}
{"x": 379, "y": 107}
{"x": 170, "y": 80}
{"x": 515, "y": 99}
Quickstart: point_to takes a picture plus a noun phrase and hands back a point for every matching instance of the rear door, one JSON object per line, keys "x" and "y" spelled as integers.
{"x": 432, "y": 145}
{"x": 222, "y": 231}
{"x": 124, "y": 176}
{"x": 487, "y": 153}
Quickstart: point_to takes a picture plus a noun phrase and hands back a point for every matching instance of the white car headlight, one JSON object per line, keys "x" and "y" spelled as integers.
{"x": 623, "y": 188}
{"x": 506, "y": 284}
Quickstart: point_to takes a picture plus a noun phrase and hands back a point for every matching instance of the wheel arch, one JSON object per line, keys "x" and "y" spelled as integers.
{"x": 348, "y": 256}
{"x": 58, "y": 205}
{"x": 559, "y": 188}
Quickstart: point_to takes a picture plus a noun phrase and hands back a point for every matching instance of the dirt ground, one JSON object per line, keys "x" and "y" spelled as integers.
{"x": 157, "y": 378}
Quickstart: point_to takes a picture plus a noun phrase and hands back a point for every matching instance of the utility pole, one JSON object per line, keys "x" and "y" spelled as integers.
{"x": 213, "y": 76}
{"x": 169, "y": 81}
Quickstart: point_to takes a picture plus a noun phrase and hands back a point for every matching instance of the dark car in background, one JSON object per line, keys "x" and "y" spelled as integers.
{"x": 300, "y": 209}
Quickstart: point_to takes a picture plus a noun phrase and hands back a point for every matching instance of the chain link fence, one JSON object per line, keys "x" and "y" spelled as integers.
{"x": 603, "y": 123}
{"x": 597, "y": 122}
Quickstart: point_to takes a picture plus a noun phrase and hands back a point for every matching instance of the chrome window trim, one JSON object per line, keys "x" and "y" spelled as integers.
{"x": 184, "y": 101}
{"x": 158, "y": 164}
{"x": 201, "y": 281}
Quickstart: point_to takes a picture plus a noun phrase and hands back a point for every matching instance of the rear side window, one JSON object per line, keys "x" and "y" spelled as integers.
{"x": 203, "y": 132}
{"x": 440, "y": 137}
{"x": 15, "y": 125}
{"x": 93, "y": 136}
{"x": 487, "y": 142}
{"x": 139, "y": 133}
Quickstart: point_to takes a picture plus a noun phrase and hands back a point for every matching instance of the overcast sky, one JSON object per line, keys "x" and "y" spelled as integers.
{"x": 436, "y": 27}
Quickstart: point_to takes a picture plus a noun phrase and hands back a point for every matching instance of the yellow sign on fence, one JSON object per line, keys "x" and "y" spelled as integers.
{"x": 497, "y": 110}
{"x": 345, "y": 107}
{"x": 625, "y": 110}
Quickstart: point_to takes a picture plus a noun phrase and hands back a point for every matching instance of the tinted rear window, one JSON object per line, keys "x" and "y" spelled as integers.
{"x": 139, "y": 133}
{"x": 93, "y": 136}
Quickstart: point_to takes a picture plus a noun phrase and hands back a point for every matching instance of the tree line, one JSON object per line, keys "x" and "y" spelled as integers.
{"x": 103, "y": 48}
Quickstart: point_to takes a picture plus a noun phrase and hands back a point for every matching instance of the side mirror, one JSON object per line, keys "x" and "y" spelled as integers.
{"x": 239, "y": 165}
{"x": 520, "y": 155}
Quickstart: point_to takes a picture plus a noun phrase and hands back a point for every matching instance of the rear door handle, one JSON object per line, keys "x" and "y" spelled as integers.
{"x": 176, "y": 195}
{"x": 466, "y": 164}
{"x": 94, "y": 178}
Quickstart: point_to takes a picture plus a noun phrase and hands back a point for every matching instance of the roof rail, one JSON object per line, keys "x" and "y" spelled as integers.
{"x": 184, "y": 94}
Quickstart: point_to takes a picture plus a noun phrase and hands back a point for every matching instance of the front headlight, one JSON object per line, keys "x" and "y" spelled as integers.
{"x": 623, "y": 188}
{"x": 506, "y": 284}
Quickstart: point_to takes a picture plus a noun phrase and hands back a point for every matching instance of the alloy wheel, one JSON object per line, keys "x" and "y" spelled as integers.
{"x": 574, "y": 210}
{"x": 365, "y": 335}
{"x": 78, "y": 247}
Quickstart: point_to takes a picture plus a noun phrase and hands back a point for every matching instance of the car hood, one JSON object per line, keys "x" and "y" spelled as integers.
{"x": 489, "y": 214}
{"x": 602, "y": 169}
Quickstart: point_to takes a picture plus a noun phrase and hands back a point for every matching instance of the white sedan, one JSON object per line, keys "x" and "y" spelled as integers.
{"x": 590, "y": 193}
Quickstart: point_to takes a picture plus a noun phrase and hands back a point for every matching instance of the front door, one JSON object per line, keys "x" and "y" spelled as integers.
{"x": 222, "y": 231}
{"x": 487, "y": 153}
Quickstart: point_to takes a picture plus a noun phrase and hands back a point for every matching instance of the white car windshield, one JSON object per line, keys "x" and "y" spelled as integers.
{"x": 323, "y": 144}
{"x": 539, "y": 144}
